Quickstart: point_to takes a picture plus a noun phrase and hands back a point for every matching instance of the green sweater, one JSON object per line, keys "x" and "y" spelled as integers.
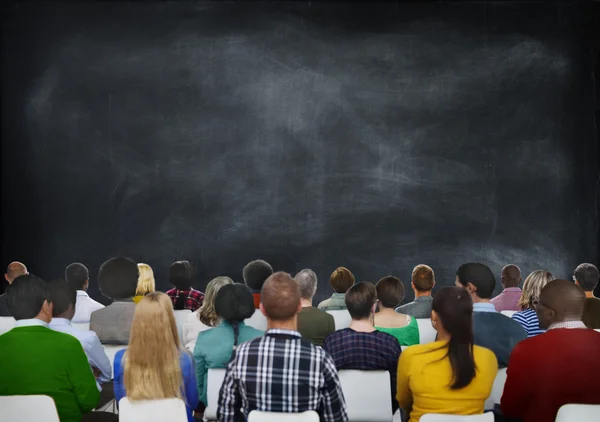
{"x": 38, "y": 360}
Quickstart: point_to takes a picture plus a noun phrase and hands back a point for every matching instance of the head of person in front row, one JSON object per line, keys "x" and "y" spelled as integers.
{"x": 78, "y": 275}
{"x": 586, "y": 276}
{"x": 532, "y": 287}
{"x": 434, "y": 377}
{"x": 154, "y": 365}
{"x": 146, "y": 283}
{"x": 15, "y": 269}
{"x": 234, "y": 303}
{"x": 183, "y": 296}
{"x": 422, "y": 282}
{"x": 38, "y": 360}
{"x": 313, "y": 324}
{"x": 341, "y": 280}
{"x": 255, "y": 273}
{"x": 390, "y": 293}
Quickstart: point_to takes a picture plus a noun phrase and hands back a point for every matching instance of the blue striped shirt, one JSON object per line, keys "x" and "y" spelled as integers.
{"x": 529, "y": 320}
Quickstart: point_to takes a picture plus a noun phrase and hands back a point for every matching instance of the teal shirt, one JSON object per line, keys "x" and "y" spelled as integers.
{"x": 406, "y": 336}
{"x": 336, "y": 302}
{"x": 213, "y": 350}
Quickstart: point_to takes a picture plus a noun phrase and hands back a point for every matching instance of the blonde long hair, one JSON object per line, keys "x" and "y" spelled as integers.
{"x": 207, "y": 314}
{"x": 152, "y": 368}
{"x": 532, "y": 287}
{"x": 146, "y": 283}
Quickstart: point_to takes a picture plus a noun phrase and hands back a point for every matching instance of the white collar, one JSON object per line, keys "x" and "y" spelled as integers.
{"x": 82, "y": 293}
{"x": 32, "y": 322}
{"x": 61, "y": 321}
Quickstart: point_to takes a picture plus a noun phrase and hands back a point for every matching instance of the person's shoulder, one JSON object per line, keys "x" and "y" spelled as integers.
{"x": 484, "y": 355}
{"x": 322, "y": 306}
{"x": 406, "y": 307}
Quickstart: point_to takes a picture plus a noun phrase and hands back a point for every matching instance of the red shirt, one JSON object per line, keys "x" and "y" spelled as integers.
{"x": 544, "y": 372}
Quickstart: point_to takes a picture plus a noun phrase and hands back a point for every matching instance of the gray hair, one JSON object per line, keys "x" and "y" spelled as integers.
{"x": 307, "y": 281}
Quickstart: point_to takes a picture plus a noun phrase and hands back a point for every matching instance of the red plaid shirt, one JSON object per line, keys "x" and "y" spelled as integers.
{"x": 193, "y": 298}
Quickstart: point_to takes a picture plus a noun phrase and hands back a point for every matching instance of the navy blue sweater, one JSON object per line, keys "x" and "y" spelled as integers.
{"x": 498, "y": 333}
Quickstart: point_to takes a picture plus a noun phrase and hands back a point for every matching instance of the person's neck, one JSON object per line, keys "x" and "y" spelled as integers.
{"x": 306, "y": 303}
{"x": 44, "y": 318}
{"x": 477, "y": 299}
{"x": 443, "y": 335}
{"x": 65, "y": 316}
{"x": 362, "y": 325}
{"x": 509, "y": 287}
{"x": 386, "y": 311}
{"x": 589, "y": 294}
{"x": 286, "y": 324}
{"x": 421, "y": 294}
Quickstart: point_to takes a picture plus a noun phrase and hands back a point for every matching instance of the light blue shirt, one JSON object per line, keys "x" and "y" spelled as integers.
{"x": 91, "y": 346}
{"x": 484, "y": 307}
{"x": 30, "y": 323}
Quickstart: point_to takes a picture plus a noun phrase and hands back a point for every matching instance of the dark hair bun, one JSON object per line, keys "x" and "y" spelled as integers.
{"x": 234, "y": 302}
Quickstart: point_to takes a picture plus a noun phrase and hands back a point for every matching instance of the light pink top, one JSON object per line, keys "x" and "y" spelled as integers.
{"x": 507, "y": 300}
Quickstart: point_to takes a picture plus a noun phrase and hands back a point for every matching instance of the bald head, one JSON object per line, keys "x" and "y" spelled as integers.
{"x": 511, "y": 276}
{"x": 15, "y": 269}
{"x": 280, "y": 297}
{"x": 560, "y": 300}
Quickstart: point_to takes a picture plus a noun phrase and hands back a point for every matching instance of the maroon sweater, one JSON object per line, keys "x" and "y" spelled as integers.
{"x": 547, "y": 371}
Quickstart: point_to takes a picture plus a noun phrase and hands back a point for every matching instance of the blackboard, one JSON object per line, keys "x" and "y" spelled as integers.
{"x": 376, "y": 136}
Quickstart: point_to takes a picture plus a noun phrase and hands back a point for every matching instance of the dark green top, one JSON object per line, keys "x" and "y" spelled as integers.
{"x": 315, "y": 325}
{"x": 36, "y": 360}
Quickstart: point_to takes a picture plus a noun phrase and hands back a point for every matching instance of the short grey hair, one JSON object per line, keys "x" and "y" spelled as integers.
{"x": 307, "y": 281}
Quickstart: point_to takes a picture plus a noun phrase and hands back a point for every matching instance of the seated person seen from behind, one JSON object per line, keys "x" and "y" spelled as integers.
{"x": 532, "y": 286}
{"x": 450, "y": 375}
{"x": 390, "y": 293}
{"x": 314, "y": 325}
{"x": 301, "y": 376}
{"x": 491, "y": 329}
{"x": 14, "y": 270}
{"x": 255, "y": 273}
{"x": 557, "y": 367}
{"x": 118, "y": 280}
{"x": 38, "y": 360}
{"x": 341, "y": 280}
{"x": 586, "y": 276}
{"x": 361, "y": 346}
{"x": 154, "y": 365}
{"x": 233, "y": 304}
{"x": 78, "y": 275}
{"x": 422, "y": 282}
{"x": 146, "y": 283}
{"x": 508, "y": 300}
{"x": 183, "y": 296}
{"x": 205, "y": 317}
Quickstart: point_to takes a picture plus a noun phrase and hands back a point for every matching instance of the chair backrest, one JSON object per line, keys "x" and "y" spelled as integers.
{"x": 213, "y": 386}
{"x": 28, "y": 408}
{"x": 368, "y": 395}
{"x": 508, "y": 313}
{"x": 497, "y": 389}
{"x": 257, "y": 320}
{"x": 111, "y": 350}
{"x": 180, "y": 317}
{"x": 6, "y": 324}
{"x": 434, "y": 417}
{"x": 85, "y": 326}
{"x": 341, "y": 318}
{"x": 172, "y": 410}
{"x": 426, "y": 331}
{"x": 578, "y": 413}
{"x": 257, "y": 416}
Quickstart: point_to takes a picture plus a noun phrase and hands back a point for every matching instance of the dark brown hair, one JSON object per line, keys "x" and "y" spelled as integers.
{"x": 390, "y": 291}
{"x": 360, "y": 300}
{"x": 280, "y": 296}
{"x": 341, "y": 280}
{"x": 423, "y": 277}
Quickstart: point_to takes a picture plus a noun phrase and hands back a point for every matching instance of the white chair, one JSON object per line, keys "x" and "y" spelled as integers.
{"x": 257, "y": 416}
{"x": 27, "y": 408}
{"x": 85, "y": 326}
{"x": 111, "y": 350}
{"x": 341, "y": 318}
{"x": 508, "y": 313}
{"x": 213, "y": 386}
{"x": 426, "y": 331}
{"x": 578, "y": 413}
{"x": 180, "y": 317}
{"x": 497, "y": 389}
{"x": 172, "y": 410}
{"x": 368, "y": 395}
{"x": 6, "y": 324}
{"x": 434, "y": 417}
{"x": 257, "y": 320}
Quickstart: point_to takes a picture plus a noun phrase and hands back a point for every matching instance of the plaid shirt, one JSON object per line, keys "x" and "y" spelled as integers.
{"x": 280, "y": 372}
{"x": 193, "y": 298}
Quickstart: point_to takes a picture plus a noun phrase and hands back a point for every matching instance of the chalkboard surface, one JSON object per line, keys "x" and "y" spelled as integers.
{"x": 374, "y": 136}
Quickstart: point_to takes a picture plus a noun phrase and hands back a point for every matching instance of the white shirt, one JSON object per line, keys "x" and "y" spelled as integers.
{"x": 191, "y": 328}
{"x": 30, "y": 323}
{"x": 91, "y": 346}
{"x": 84, "y": 307}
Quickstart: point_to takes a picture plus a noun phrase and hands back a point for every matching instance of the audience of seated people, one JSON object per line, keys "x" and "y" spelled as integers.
{"x": 341, "y": 280}
{"x": 206, "y": 316}
{"x": 183, "y": 296}
{"x": 118, "y": 279}
{"x": 422, "y": 282}
{"x": 234, "y": 303}
{"x": 302, "y": 376}
{"x": 78, "y": 275}
{"x": 491, "y": 329}
{"x": 14, "y": 270}
{"x": 313, "y": 324}
{"x": 450, "y": 375}
{"x": 586, "y": 276}
{"x": 255, "y": 273}
{"x": 404, "y": 328}
{"x": 557, "y": 367}
{"x": 361, "y": 346}
{"x": 146, "y": 283}
{"x": 508, "y": 300}
{"x": 155, "y": 365}
{"x": 532, "y": 286}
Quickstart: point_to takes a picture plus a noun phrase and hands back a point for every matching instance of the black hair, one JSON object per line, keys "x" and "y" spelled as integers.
{"x": 360, "y": 299}
{"x": 480, "y": 276}
{"x": 454, "y": 307}
{"x": 181, "y": 275}
{"x": 234, "y": 303}
{"x": 77, "y": 274}
{"x": 118, "y": 278}
{"x": 62, "y": 294}
{"x": 255, "y": 273}
{"x": 25, "y": 296}
{"x": 587, "y": 276}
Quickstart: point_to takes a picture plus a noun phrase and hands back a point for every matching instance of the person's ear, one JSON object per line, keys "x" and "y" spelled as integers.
{"x": 471, "y": 288}
{"x": 577, "y": 282}
{"x": 374, "y": 308}
{"x": 86, "y": 285}
{"x": 262, "y": 309}
{"x": 299, "y": 307}
{"x": 434, "y": 319}
{"x": 433, "y": 285}
{"x": 47, "y": 308}
{"x": 6, "y": 278}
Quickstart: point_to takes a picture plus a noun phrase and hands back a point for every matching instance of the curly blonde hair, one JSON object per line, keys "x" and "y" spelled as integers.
{"x": 532, "y": 287}
{"x": 207, "y": 313}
